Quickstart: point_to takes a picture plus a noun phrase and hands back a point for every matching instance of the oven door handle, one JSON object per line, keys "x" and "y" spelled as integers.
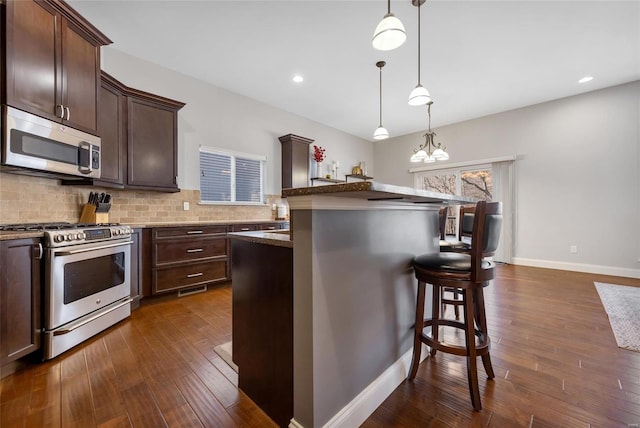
{"x": 102, "y": 247}
{"x": 93, "y": 318}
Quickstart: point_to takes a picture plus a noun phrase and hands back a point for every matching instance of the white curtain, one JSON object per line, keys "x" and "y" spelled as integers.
{"x": 504, "y": 190}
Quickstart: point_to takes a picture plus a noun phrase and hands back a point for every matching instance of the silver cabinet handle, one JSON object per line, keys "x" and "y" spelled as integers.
{"x": 195, "y": 250}
{"x": 68, "y": 113}
{"x": 193, "y": 275}
{"x": 244, "y": 229}
{"x": 194, "y": 232}
{"x": 61, "y": 111}
{"x": 271, "y": 228}
{"x": 40, "y": 252}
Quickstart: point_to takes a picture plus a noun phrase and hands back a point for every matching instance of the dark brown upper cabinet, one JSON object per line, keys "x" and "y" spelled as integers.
{"x": 139, "y": 139}
{"x": 53, "y": 62}
{"x": 152, "y": 142}
{"x": 112, "y": 121}
{"x": 295, "y": 161}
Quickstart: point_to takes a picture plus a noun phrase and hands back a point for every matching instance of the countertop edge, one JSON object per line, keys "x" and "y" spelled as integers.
{"x": 264, "y": 237}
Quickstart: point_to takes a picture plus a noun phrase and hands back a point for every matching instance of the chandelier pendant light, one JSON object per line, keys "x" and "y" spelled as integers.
{"x": 380, "y": 132}
{"x": 419, "y": 96}
{"x": 389, "y": 33}
{"x": 430, "y": 151}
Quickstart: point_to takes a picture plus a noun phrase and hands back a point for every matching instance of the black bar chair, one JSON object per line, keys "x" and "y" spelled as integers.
{"x": 469, "y": 272}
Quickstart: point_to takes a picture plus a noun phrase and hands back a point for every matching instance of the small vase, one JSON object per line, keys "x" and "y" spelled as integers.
{"x": 318, "y": 169}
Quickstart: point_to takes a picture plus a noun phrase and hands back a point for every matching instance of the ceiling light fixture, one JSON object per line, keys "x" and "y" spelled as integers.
{"x": 586, "y": 79}
{"x": 380, "y": 133}
{"x": 389, "y": 33}
{"x": 419, "y": 96}
{"x": 298, "y": 78}
{"x": 429, "y": 151}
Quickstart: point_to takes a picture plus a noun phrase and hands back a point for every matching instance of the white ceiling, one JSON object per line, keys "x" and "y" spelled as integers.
{"x": 478, "y": 57}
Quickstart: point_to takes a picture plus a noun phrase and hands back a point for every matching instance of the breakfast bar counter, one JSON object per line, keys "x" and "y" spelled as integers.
{"x": 353, "y": 293}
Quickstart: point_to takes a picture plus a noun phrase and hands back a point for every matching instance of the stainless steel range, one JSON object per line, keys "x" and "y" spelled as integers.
{"x": 87, "y": 274}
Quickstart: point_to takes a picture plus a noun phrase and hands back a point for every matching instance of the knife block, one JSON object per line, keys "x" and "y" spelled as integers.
{"x": 89, "y": 215}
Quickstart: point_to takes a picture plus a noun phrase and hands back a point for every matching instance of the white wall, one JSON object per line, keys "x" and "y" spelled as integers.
{"x": 577, "y": 175}
{"x": 218, "y": 118}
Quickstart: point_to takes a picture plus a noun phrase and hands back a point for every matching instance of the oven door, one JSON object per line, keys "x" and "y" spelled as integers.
{"x": 85, "y": 278}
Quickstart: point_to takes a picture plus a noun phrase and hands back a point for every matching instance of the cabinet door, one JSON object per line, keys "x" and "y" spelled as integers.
{"x": 152, "y": 146}
{"x": 80, "y": 78}
{"x": 136, "y": 268}
{"x": 20, "y": 322}
{"x": 32, "y": 66}
{"x": 111, "y": 129}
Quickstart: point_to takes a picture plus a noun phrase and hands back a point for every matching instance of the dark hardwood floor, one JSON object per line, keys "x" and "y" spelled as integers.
{"x": 555, "y": 358}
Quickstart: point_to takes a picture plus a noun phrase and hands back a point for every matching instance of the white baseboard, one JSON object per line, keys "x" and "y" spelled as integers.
{"x": 578, "y": 267}
{"x": 365, "y": 403}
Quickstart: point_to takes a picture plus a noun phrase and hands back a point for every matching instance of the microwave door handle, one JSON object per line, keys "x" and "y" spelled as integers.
{"x": 85, "y": 169}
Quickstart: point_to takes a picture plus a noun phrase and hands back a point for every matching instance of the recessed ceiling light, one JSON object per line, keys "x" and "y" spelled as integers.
{"x": 586, "y": 79}
{"x": 298, "y": 79}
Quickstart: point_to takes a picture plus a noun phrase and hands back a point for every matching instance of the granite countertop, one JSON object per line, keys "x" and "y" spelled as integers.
{"x": 21, "y": 234}
{"x": 199, "y": 223}
{"x": 280, "y": 238}
{"x": 374, "y": 191}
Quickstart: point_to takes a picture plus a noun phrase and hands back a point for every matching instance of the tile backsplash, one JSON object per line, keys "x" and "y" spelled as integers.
{"x": 25, "y": 199}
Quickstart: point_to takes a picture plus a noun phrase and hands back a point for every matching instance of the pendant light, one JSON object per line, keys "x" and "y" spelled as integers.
{"x": 389, "y": 33}
{"x": 380, "y": 133}
{"x": 430, "y": 151}
{"x": 419, "y": 96}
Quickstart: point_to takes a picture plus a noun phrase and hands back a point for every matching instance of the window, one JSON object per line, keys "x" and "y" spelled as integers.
{"x": 475, "y": 182}
{"x": 231, "y": 177}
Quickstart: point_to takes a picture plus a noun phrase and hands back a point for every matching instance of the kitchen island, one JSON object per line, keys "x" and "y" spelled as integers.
{"x": 353, "y": 294}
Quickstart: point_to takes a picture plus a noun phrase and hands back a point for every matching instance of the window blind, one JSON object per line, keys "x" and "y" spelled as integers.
{"x": 228, "y": 177}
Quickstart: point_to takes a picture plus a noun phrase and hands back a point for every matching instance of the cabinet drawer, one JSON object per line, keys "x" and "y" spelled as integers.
{"x": 185, "y": 250}
{"x": 168, "y": 279}
{"x": 193, "y": 232}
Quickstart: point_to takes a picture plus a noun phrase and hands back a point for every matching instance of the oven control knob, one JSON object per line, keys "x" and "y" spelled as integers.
{"x": 117, "y": 232}
{"x": 58, "y": 238}
{"x": 82, "y": 235}
{"x": 69, "y": 237}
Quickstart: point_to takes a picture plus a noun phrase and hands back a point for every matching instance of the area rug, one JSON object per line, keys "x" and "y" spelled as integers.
{"x": 225, "y": 351}
{"x": 622, "y": 304}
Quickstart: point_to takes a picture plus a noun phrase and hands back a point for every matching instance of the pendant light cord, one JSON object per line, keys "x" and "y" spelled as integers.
{"x": 380, "y": 96}
{"x": 388, "y": 7}
{"x": 418, "y": 43}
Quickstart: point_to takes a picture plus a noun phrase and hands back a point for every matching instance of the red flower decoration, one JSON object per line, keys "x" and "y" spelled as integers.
{"x": 318, "y": 154}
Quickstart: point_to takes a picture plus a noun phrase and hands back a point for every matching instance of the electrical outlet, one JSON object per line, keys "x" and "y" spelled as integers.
{"x": 573, "y": 249}
{"x": 185, "y": 206}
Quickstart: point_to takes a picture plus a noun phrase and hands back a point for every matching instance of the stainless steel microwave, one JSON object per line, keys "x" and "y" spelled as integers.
{"x": 47, "y": 148}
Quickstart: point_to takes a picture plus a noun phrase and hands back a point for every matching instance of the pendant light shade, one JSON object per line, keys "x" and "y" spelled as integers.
{"x": 419, "y": 96}
{"x": 389, "y": 33}
{"x": 380, "y": 133}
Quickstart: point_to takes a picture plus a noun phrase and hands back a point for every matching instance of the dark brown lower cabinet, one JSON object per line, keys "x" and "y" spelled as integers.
{"x": 20, "y": 321}
{"x": 263, "y": 325}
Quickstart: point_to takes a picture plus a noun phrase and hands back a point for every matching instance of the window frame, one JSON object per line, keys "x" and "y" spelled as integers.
{"x": 234, "y": 155}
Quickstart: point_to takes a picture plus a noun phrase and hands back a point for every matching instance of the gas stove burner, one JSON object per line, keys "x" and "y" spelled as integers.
{"x": 35, "y": 226}
{"x": 51, "y": 226}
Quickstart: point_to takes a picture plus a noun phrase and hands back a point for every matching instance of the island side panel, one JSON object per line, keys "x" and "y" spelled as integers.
{"x": 263, "y": 325}
{"x": 362, "y": 299}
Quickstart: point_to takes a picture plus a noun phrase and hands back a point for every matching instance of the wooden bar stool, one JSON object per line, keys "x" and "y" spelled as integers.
{"x": 469, "y": 273}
